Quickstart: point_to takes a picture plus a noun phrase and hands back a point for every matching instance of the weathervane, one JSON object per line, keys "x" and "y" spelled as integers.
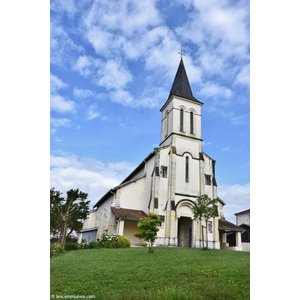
{"x": 180, "y": 52}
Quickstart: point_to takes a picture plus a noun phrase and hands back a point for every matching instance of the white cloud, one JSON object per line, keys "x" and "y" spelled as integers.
{"x": 83, "y": 93}
{"x": 229, "y": 115}
{"x": 59, "y": 103}
{"x": 89, "y": 175}
{"x": 67, "y": 6}
{"x": 56, "y": 83}
{"x": 110, "y": 74}
{"x": 220, "y": 30}
{"x": 127, "y": 16}
{"x": 135, "y": 30}
{"x": 236, "y": 197}
{"x": 92, "y": 112}
{"x": 86, "y": 65}
{"x": 113, "y": 75}
{"x": 128, "y": 28}
{"x": 211, "y": 89}
{"x": 237, "y": 119}
{"x": 121, "y": 96}
{"x": 103, "y": 41}
{"x": 60, "y": 122}
{"x": 212, "y": 63}
{"x": 62, "y": 105}
{"x": 243, "y": 77}
{"x": 62, "y": 47}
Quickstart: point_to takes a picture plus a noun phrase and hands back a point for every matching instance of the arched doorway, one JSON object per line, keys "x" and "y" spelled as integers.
{"x": 185, "y": 222}
{"x": 185, "y": 232}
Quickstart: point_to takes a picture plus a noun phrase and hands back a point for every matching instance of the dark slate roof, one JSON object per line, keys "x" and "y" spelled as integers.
{"x": 228, "y": 226}
{"x": 139, "y": 167}
{"x": 245, "y": 226}
{"x": 128, "y": 214}
{"x": 181, "y": 86}
{"x": 247, "y": 211}
{"x": 89, "y": 229}
{"x": 220, "y": 200}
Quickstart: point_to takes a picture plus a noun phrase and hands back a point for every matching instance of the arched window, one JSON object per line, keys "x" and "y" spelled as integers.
{"x": 191, "y": 122}
{"x": 181, "y": 119}
{"x": 186, "y": 169}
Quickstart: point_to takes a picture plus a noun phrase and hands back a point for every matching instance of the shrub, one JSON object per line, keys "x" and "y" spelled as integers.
{"x": 71, "y": 239}
{"x": 123, "y": 242}
{"x": 71, "y": 246}
{"x": 107, "y": 241}
{"x": 84, "y": 245}
{"x": 56, "y": 249}
{"x": 94, "y": 245}
{"x": 113, "y": 241}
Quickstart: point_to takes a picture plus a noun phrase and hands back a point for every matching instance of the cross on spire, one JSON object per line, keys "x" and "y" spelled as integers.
{"x": 180, "y": 52}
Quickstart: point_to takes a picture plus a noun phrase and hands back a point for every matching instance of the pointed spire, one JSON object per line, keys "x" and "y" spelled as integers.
{"x": 181, "y": 86}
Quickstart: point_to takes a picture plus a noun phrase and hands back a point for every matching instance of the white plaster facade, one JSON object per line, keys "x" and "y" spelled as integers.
{"x": 243, "y": 220}
{"x": 167, "y": 182}
{"x": 243, "y": 217}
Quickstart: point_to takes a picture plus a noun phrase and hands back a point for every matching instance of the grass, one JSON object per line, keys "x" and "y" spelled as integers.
{"x": 168, "y": 273}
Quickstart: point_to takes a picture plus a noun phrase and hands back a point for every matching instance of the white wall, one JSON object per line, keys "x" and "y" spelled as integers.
{"x": 171, "y": 121}
{"x": 192, "y": 187}
{"x": 132, "y": 195}
{"x": 246, "y": 247}
{"x": 243, "y": 219}
{"x": 90, "y": 221}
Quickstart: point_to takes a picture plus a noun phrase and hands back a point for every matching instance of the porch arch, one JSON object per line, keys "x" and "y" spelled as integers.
{"x": 185, "y": 223}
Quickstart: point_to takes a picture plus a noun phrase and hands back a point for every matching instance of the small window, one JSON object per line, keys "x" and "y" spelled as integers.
{"x": 207, "y": 179}
{"x": 155, "y": 202}
{"x": 191, "y": 122}
{"x": 173, "y": 205}
{"x": 156, "y": 171}
{"x": 164, "y": 171}
{"x": 187, "y": 169}
{"x": 162, "y": 218}
{"x": 209, "y": 226}
{"x": 181, "y": 120}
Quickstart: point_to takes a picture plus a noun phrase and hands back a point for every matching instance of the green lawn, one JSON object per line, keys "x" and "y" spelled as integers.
{"x": 168, "y": 273}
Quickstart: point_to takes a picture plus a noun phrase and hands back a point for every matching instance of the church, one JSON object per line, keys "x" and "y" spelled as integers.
{"x": 167, "y": 182}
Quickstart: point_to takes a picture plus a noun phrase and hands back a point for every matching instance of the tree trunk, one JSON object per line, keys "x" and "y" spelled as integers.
{"x": 202, "y": 235}
{"x": 64, "y": 234}
{"x": 206, "y": 234}
{"x": 150, "y": 247}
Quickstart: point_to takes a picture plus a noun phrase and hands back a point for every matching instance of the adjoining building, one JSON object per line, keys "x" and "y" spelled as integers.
{"x": 243, "y": 221}
{"x": 167, "y": 182}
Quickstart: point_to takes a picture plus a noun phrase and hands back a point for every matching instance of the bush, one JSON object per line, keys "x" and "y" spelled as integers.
{"x": 94, "y": 245}
{"x": 113, "y": 241}
{"x": 123, "y": 242}
{"x": 84, "y": 245}
{"x": 71, "y": 246}
{"x": 107, "y": 241}
{"x": 56, "y": 249}
{"x": 71, "y": 239}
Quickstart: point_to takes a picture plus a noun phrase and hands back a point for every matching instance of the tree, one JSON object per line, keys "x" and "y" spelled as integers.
{"x": 205, "y": 208}
{"x": 148, "y": 228}
{"x": 67, "y": 214}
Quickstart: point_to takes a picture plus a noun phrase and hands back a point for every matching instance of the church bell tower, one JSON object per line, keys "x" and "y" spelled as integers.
{"x": 181, "y": 114}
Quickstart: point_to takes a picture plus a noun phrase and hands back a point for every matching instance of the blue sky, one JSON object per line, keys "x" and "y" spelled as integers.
{"x": 112, "y": 67}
